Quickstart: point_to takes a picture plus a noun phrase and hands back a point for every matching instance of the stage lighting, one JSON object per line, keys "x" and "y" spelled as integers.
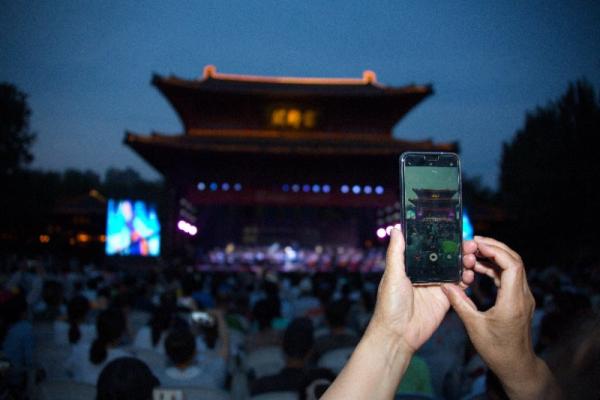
{"x": 237, "y": 187}
{"x": 295, "y": 187}
{"x": 381, "y": 233}
{"x": 285, "y": 188}
{"x": 388, "y": 230}
{"x": 213, "y": 186}
{"x": 398, "y": 226}
{"x": 316, "y": 188}
{"x": 368, "y": 189}
{"x": 344, "y": 188}
{"x": 379, "y": 190}
{"x": 306, "y": 188}
{"x": 356, "y": 189}
{"x": 326, "y": 188}
{"x": 225, "y": 186}
{"x": 201, "y": 186}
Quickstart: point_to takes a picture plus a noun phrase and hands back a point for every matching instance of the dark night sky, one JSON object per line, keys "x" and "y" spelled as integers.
{"x": 87, "y": 65}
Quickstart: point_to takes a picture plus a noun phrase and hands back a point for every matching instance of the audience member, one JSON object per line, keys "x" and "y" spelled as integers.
{"x": 339, "y": 335}
{"x": 75, "y": 329}
{"x": 187, "y": 369}
{"x": 298, "y": 341}
{"x": 86, "y": 361}
{"x": 126, "y": 378}
{"x": 16, "y": 337}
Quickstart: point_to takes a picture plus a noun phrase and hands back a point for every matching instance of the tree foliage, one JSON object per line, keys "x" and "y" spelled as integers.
{"x": 15, "y": 136}
{"x": 549, "y": 179}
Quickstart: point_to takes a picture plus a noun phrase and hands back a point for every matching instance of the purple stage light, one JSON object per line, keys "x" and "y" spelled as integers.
{"x": 379, "y": 190}
{"x": 344, "y": 189}
{"x": 381, "y": 233}
{"x": 368, "y": 189}
{"x": 356, "y": 189}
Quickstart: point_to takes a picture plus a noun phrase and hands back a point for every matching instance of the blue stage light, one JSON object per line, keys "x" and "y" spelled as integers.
{"x": 285, "y": 187}
{"x": 306, "y": 188}
{"x": 316, "y": 188}
{"x": 344, "y": 188}
{"x": 379, "y": 190}
{"x": 295, "y": 187}
{"x": 225, "y": 186}
{"x": 237, "y": 187}
{"x": 356, "y": 189}
{"x": 326, "y": 188}
{"x": 201, "y": 186}
{"x": 214, "y": 186}
{"x": 368, "y": 189}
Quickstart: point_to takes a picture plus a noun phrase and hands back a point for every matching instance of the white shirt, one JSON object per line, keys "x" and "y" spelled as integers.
{"x": 82, "y": 369}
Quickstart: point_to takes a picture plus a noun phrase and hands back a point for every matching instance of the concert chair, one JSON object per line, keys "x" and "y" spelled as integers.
{"x": 335, "y": 359}
{"x": 66, "y": 390}
{"x": 265, "y": 361}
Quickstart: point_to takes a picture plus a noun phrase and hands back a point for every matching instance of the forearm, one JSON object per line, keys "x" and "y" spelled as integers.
{"x": 531, "y": 380}
{"x": 373, "y": 371}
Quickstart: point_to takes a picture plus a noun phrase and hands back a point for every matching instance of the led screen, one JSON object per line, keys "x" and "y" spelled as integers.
{"x": 132, "y": 229}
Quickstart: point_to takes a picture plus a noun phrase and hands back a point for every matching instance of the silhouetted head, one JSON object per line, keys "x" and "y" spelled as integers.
{"x": 126, "y": 378}
{"x": 110, "y": 327}
{"x": 298, "y": 338}
{"x": 180, "y": 346}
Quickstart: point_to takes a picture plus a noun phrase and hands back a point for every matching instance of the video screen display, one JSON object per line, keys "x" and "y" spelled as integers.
{"x": 132, "y": 228}
{"x": 433, "y": 221}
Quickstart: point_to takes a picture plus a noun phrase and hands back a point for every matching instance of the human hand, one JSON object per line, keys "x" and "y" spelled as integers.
{"x": 410, "y": 314}
{"x": 502, "y": 334}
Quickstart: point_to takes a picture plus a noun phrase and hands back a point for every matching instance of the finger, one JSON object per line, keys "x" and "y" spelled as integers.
{"x": 484, "y": 268}
{"x": 469, "y": 247}
{"x": 468, "y": 276}
{"x": 469, "y": 260}
{"x": 497, "y": 243}
{"x": 459, "y": 301}
{"x": 511, "y": 273}
{"x": 394, "y": 261}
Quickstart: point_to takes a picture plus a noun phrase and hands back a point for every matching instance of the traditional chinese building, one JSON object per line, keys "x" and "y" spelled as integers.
{"x": 279, "y": 158}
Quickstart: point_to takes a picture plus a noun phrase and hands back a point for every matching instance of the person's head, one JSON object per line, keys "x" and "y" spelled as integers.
{"x": 77, "y": 309}
{"x": 264, "y": 312}
{"x": 52, "y": 293}
{"x": 336, "y": 313}
{"x": 126, "y": 378}
{"x": 298, "y": 339}
{"x": 110, "y": 327}
{"x": 180, "y": 346}
{"x": 160, "y": 322}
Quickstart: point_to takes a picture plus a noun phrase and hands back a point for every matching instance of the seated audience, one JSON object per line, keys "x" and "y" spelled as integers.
{"x": 126, "y": 378}
{"x": 298, "y": 341}
{"x": 264, "y": 312}
{"x": 86, "y": 361}
{"x": 152, "y": 336}
{"x": 339, "y": 335}
{"x": 191, "y": 368}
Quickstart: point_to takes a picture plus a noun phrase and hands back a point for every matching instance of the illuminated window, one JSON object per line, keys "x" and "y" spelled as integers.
{"x": 293, "y": 118}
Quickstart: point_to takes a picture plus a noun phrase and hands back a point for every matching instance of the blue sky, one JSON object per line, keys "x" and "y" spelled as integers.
{"x": 87, "y": 65}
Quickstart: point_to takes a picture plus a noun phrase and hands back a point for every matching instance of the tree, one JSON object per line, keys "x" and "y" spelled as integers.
{"x": 549, "y": 179}
{"x": 15, "y": 137}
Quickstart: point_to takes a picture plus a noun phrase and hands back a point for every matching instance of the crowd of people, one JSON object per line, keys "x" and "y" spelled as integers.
{"x": 127, "y": 331}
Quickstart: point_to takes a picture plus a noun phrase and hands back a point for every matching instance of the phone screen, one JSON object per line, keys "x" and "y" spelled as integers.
{"x": 431, "y": 198}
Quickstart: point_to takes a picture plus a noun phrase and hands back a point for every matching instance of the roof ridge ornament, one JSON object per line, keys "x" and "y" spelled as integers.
{"x": 368, "y": 78}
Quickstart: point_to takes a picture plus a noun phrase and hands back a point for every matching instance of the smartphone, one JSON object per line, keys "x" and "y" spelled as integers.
{"x": 202, "y": 318}
{"x": 431, "y": 195}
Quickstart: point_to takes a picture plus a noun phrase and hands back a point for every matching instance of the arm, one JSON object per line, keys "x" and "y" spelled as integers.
{"x": 404, "y": 318}
{"x": 502, "y": 334}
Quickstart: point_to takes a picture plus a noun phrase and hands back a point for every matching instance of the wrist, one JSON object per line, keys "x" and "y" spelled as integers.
{"x": 530, "y": 379}
{"x": 390, "y": 347}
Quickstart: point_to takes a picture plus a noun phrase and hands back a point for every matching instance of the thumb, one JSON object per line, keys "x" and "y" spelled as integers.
{"x": 459, "y": 301}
